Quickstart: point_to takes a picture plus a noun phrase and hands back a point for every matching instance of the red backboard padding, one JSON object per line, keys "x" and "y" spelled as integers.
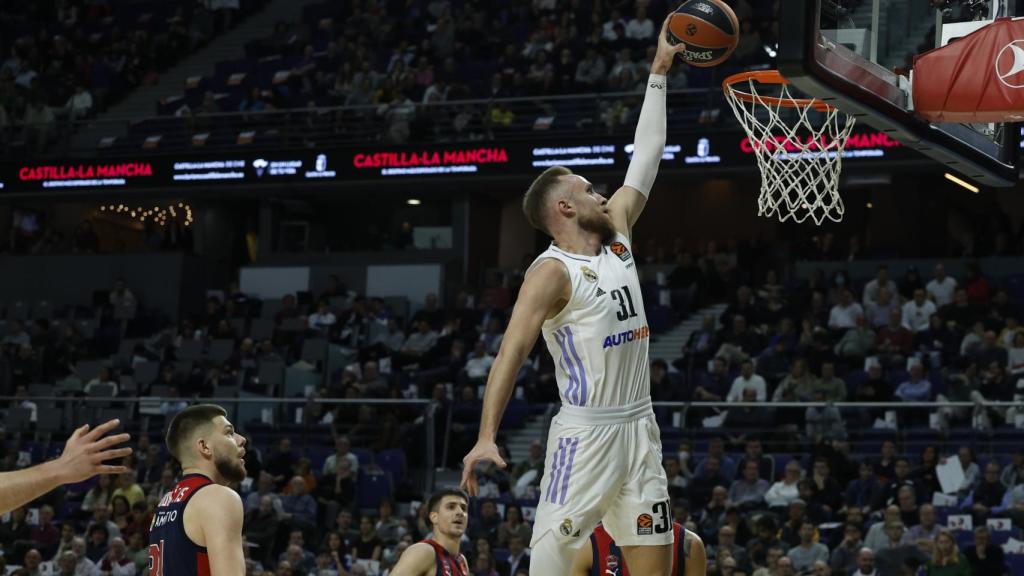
{"x": 976, "y": 79}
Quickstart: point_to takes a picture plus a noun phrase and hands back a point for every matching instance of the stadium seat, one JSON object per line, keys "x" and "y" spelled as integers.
{"x": 393, "y": 462}
{"x": 372, "y": 487}
{"x": 365, "y": 456}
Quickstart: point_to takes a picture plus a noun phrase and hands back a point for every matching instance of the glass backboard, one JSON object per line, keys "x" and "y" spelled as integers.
{"x": 857, "y": 55}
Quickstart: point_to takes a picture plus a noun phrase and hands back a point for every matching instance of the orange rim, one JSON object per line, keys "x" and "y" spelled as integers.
{"x": 770, "y": 77}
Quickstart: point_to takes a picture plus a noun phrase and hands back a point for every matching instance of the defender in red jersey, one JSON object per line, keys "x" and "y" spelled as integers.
{"x": 604, "y": 558}
{"x": 197, "y": 528}
{"x": 439, "y": 555}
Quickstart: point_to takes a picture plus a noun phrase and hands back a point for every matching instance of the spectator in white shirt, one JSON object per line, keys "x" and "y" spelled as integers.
{"x": 322, "y": 320}
{"x": 102, "y": 378}
{"x": 79, "y": 104}
{"x": 845, "y": 313}
{"x": 479, "y": 364}
{"x": 880, "y": 281}
{"x": 608, "y": 28}
{"x": 942, "y": 287}
{"x": 640, "y": 28}
{"x": 785, "y": 490}
{"x": 747, "y": 380}
{"x": 917, "y": 312}
{"x": 116, "y": 562}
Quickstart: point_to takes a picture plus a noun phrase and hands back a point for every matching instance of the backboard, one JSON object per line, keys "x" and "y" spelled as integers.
{"x": 850, "y": 53}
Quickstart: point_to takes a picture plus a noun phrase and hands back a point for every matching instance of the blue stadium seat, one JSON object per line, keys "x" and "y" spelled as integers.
{"x": 393, "y": 462}
{"x": 365, "y": 456}
{"x": 373, "y": 486}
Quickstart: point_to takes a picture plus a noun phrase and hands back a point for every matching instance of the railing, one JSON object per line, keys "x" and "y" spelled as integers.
{"x": 139, "y": 415}
{"x": 464, "y": 120}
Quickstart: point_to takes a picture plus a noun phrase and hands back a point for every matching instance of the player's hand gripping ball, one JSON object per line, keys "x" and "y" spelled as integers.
{"x": 709, "y": 29}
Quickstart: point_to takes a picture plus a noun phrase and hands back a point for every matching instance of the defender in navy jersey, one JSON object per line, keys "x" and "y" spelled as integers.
{"x": 604, "y": 558}
{"x": 439, "y": 555}
{"x": 583, "y": 295}
{"x": 197, "y": 527}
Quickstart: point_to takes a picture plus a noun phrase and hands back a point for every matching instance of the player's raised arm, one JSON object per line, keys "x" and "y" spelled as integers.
{"x": 545, "y": 291}
{"x": 220, "y": 508}
{"x": 417, "y": 560}
{"x": 649, "y": 142}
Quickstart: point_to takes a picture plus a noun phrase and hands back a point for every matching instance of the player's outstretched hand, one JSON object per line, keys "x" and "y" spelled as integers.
{"x": 484, "y": 450}
{"x": 667, "y": 51}
{"x": 86, "y": 451}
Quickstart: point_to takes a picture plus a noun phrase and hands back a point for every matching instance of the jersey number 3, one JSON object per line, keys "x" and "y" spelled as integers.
{"x": 156, "y": 559}
{"x": 624, "y": 301}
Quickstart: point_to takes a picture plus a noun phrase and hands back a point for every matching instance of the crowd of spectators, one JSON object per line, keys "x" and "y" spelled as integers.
{"x": 388, "y": 57}
{"x": 802, "y": 496}
{"x": 66, "y": 60}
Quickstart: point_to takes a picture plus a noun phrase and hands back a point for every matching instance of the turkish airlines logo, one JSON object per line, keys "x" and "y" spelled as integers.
{"x": 1010, "y": 64}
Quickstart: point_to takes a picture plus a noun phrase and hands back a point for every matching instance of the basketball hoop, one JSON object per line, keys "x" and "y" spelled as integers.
{"x": 798, "y": 144}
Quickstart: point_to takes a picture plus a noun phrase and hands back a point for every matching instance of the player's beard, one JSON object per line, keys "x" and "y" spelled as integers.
{"x": 230, "y": 468}
{"x": 599, "y": 224}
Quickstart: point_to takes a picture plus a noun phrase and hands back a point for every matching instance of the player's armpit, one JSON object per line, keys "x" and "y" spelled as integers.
{"x": 584, "y": 561}
{"x": 625, "y": 207}
{"x": 417, "y": 560}
{"x": 220, "y": 516}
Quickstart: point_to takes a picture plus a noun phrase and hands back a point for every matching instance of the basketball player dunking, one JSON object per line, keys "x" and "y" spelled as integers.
{"x": 604, "y": 447}
{"x": 439, "y": 555}
{"x": 604, "y": 558}
{"x": 197, "y": 527}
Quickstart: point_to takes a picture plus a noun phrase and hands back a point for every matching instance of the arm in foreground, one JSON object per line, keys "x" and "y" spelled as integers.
{"x": 545, "y": 291}
{"x": 220, "y": 514}
{"x": 628, "y": 202}
{"x": 83, "y": 457}
{"x": 584, "y": 561}
{"x": 696, "y": 556}
{"x": 417, "y": 560}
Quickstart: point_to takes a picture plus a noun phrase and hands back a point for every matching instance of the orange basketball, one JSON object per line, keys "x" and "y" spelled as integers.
{"x": 709, "y": 29}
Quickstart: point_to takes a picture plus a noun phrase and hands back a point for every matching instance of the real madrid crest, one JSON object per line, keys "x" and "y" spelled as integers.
{"x": 589, "y": 274}
{"x": 566, "y": 527}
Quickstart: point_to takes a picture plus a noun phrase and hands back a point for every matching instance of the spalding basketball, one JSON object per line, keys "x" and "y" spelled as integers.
{"x": 709, "y": 29}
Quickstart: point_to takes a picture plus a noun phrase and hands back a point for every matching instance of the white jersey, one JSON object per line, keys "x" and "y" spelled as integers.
{"x": 599, "y": 340}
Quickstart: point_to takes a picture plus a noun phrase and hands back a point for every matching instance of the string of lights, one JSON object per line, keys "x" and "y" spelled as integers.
{"x": 157, "y": 214}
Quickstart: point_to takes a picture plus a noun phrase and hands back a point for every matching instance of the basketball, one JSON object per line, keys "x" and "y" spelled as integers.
{"x": 709, "y": 28}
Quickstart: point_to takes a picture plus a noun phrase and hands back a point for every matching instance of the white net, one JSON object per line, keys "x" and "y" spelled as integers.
{"x": 799, "y": 150}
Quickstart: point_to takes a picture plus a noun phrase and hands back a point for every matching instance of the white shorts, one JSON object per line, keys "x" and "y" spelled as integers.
{"x": 604, "y": 465}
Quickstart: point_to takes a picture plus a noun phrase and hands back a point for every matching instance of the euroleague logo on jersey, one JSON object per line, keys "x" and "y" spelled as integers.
{"x": 627, "y": 336}
{"x": 620, "y": 250}
{"x": 644, "y": 525}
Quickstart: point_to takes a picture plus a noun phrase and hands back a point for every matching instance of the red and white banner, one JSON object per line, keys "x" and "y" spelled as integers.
{"x": 976, "y": 79}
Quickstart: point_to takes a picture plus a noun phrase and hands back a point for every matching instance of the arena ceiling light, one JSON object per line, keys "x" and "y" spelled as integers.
{"x": 962, "y": 182}
{"x": 413, "y": 202}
